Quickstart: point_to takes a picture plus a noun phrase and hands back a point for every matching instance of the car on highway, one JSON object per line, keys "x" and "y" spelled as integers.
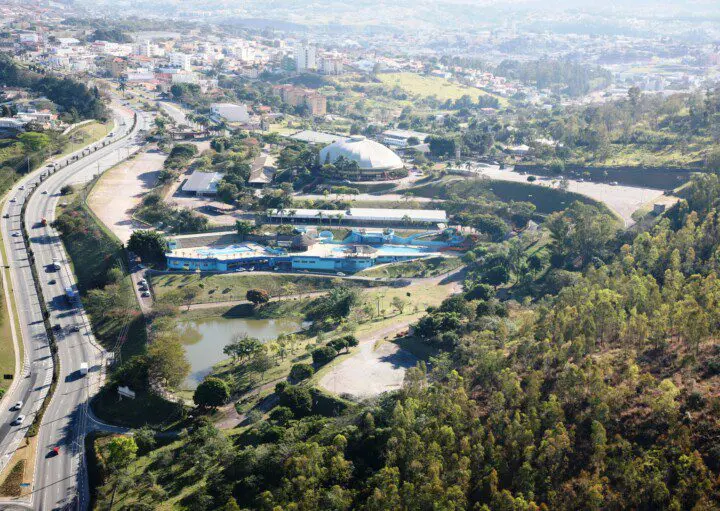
{"x": 18, "y": 420}
{"x": 44, "y": 192}
{"x": 52, "y": 282}
{"x": 14, "y": 199}
{"x": 145, "y": 294}
{"x": 22, "y": 187}
{"x": 54, "y": 452}
{"x": 17, "y": 406}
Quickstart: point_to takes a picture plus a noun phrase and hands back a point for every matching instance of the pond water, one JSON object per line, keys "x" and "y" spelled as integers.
{"x": 205, "y": 339}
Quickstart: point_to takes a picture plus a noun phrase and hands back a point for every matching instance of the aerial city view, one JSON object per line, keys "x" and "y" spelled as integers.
{"x": 428, "y": 255}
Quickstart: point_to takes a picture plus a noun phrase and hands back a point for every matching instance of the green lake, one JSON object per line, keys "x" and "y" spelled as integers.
{"x": 205, "y": 339}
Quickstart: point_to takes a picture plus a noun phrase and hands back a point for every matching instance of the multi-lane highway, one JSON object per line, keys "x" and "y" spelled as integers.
{"x": 60, "y": 479}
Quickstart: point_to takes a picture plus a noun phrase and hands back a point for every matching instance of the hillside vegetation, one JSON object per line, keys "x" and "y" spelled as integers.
{"x": 602, "y": 395}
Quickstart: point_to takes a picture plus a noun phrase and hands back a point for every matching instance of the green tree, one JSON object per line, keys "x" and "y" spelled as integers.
{"x": 257, "y": 296}
{"x": 243, "y": 228}
{"x": 168, "y": 362}
{"x": 323, "y": 355}
{"x": 243, "y": 347}
{"x": 122, "y": 451}
{"x": 33, "y": 141}
{"x": 496, "y": 276}
{"x": 211, "y": 393}
{"x": 149, "y": 245}
{"x": 301, "y": 371}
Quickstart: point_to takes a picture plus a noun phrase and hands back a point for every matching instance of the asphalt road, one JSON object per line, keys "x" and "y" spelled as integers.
{"x": 60, "y": 481}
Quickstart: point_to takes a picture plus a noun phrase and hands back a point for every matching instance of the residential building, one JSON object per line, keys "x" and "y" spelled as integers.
{"x": 296, "y": 96}
{"x": 305, "y": 58}
{"x": 332, "y": 65}
{"x": 262, "y": 170}
{"x": 118, "y": 67}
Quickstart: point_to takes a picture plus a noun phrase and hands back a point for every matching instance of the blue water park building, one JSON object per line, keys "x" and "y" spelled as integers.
{"x": 318, "y": 252}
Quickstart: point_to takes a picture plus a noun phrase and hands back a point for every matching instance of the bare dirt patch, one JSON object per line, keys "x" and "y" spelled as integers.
{"x": 375, "y": 368}
{"x": 120, "y": 190}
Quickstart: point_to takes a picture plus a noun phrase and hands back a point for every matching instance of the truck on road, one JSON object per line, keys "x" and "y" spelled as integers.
{"x": 83, "y": 369}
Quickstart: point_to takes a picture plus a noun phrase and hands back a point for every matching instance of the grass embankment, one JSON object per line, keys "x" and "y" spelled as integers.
{"x": 7, "y": 348}
{"x": 288, "y": 308}
{"x": 93, "y": 251}
{"x": 22, "y": 471}
{"x": 11, "y": 485}
{"x": 215, "y": 288}
{"x": 430, "y": 267}
{"x": 546, "y": 200}
{"x": 427, "y": 86}
{"x": 178, "y": 480}
{"x": 86, "y": 134}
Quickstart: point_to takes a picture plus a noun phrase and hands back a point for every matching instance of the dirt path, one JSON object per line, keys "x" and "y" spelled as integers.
{"x": 232, "y": 418}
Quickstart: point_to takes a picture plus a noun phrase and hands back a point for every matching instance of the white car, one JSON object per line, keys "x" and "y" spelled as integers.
{"x": 142, "y": 282}
{"x": 15, "y": 234}
{"x": 22, "y": 187}
{"x": 17, "y": 405}
{"x": 14, "y": 199}
{"x": 145, "y": 294}
{"x": 44, "y": 192}
{"x": 19, "y": 420}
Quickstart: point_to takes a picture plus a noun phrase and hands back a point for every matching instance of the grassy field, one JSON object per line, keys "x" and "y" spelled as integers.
{"x": 429, "y": 267}
{"x": 427, "y": 86}
{"x": 234, "y": 287}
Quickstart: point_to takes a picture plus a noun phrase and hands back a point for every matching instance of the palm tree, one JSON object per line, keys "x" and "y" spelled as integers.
{"x": 122, "y": 86}
{"x": 320, "y": 215}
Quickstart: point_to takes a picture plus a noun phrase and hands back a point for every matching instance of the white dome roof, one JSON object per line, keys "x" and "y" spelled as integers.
{"x": 368, "y": 154}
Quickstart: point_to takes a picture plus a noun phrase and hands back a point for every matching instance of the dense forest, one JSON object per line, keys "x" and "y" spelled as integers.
{"x": 76, "y": 100}
{"x": 600, "y": 393}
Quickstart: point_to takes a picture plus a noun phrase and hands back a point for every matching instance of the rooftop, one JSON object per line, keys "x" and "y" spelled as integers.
{"x": 202, "y": 182}
{"x": 367, "y": 153}
{"x": 368, "y": 214}
{"x": 316, "y": 137}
